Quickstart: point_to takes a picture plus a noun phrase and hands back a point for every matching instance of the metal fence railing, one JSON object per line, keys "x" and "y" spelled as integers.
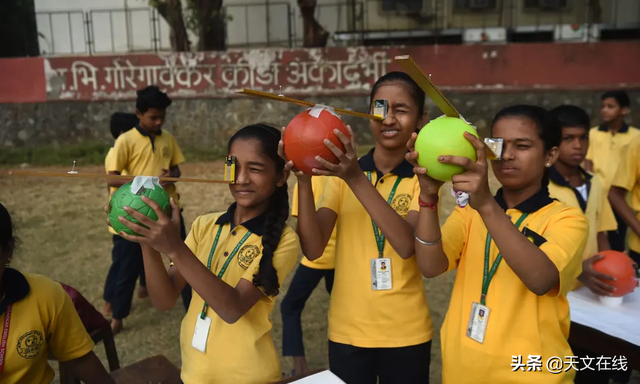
{"x": 254, "y": 24}
{"x": 63, "y": 31}
{"x": 351, "y": 22}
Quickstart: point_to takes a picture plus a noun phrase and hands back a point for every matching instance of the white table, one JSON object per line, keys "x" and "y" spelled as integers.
{"x": 622, "y": 322}
{"x": 606, "y": 330}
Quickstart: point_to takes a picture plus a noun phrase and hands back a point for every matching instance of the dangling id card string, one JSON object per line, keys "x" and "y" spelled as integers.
{"x": 381, "y": 266}
{"x": 477, "y": 326}
{"x": 203, "y": 323}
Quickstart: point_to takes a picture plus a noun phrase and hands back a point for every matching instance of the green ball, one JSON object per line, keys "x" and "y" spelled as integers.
{"x": 123, "y": 196}
{"x": 444, "y": 136}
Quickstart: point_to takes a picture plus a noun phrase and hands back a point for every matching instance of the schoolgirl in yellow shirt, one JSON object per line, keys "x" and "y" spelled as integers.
{"x": 379, "y": 322}
{"x": 235, "y": 261}
{"x": 38, "y": 320}
{"x": 517, "y": 254}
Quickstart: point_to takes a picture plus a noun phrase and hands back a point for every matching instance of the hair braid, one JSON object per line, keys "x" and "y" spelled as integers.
{"x": 276, "y": 218}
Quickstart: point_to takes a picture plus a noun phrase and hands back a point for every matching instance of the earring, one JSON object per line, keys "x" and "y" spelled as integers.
{"x": 548, "y": 165}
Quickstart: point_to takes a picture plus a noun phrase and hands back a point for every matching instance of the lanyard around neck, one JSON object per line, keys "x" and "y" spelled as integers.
{"x": 488, "y": 274}
{"x": 379, "y": 236}
{"x": 226, "y": 263}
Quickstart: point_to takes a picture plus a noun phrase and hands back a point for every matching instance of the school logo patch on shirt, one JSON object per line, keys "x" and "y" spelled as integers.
{"x": 30, "y": 344}
{"x": 165, "y": 152}
{"x": 247, "y": 254}
{"x": 533, "y": 237}
{"x": 401, "y": 204}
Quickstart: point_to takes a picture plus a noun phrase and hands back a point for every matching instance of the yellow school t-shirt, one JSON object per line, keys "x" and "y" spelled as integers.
{"x": 327, "y": 260}
{"x": 242, "y": 352}
{"x": 597, "y": 208}
{"x": 43, "y": 320}
{"x": 628, "y": 178}
{"x": 605, "y": 150}
{"x": 358, "y": 315}
{"x": 109, "y": 164}
{"x": 137, "y": 153}
{"x": 520, "y": 322}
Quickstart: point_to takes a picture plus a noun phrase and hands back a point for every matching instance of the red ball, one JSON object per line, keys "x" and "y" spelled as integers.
{"x": 619, "y": 265}
{"x": 304, "y": 139}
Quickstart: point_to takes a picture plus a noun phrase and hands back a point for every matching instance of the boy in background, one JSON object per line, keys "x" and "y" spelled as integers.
{"x": 606, "y": 144}
{"x": 572, "y": 185}
{"x": 627, "y": 182}
{"x": 578, "y": 188}
{"x": 120, "y": 123}
{"x": 146, "y": 150}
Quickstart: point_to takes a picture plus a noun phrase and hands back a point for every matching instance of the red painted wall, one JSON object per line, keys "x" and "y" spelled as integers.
{"x": 512, "y": 67}
{"x": 22, "y": 80}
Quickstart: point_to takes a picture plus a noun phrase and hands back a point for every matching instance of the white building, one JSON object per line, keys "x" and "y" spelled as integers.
{"x": 118, "y": 26}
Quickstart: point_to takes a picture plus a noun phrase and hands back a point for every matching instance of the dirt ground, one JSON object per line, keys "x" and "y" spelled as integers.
{"x": 64, "y": 236}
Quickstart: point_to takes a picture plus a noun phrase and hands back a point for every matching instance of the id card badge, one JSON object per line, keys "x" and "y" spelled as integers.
{"x": 477, "y": 327}
{"x": 381, "y": 274}
{"x": 201, "y": 334}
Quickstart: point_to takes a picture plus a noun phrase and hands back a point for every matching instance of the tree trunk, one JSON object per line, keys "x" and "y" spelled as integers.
{"x": 314, "y": 35}
{"x": 211, "y": 26}
{"x": 171, "y": 11}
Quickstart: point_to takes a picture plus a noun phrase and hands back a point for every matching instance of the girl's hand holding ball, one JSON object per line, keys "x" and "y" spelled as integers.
{"x": 429, "y": 187}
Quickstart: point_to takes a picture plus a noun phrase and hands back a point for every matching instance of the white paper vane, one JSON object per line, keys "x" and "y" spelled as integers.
{"x": 318, "y": 108}
{"x": 148, "y": 182}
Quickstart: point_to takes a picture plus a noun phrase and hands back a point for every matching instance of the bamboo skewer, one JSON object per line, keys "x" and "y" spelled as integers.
{"x": 113, "y": 177}
{"x": 303, "y": 103}
{"x": 427, "y": 86}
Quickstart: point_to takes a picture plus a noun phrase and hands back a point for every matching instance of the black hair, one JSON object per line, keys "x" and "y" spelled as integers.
{"x": 8, "y": 240}
{"x": 278, "y": 211}
{"x": 548, "y": 126}
{"x": 621, "y": 97}
{"x": 572, "y": 116}
{"x": 121, "y": 122}
{"x": 152, "y": 97}
{"x": 416, "y": 92}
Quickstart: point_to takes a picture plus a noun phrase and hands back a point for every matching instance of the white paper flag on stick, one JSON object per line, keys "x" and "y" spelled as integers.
{"x": 148, "y": 182}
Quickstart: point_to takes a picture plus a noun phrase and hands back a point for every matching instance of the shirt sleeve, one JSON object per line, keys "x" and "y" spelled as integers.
{"x": 108, "y": 161}
{"x": 177, "y": 157}
{"x": 68, "y": 339}
{"x": 284, "y": 259}
{"x": 590, "y": 149}
{"x": 606, "y": 218}
{"x": 120, "y": 154}
{"x": 454, "y": 235}
{"x": 415, "y": 206}
{"x": 192, "y": 238}
{"x": 566, "y": 236}
{"x": 627, "y": 174}
{"x": 317, "y": 185}
{"x": 331, "y": 197}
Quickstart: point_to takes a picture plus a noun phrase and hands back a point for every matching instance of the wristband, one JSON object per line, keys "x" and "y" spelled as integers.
{"x": 431, "y": 206}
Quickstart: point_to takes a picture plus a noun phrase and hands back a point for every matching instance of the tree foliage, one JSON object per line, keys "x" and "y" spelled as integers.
{"x": 203, "y": 17}
{"x": 206, "y": 19}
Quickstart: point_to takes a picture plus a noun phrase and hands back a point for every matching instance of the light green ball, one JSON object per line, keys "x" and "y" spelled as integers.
{"x": 123, "y": 196}
{"x": 442, "y": 137}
